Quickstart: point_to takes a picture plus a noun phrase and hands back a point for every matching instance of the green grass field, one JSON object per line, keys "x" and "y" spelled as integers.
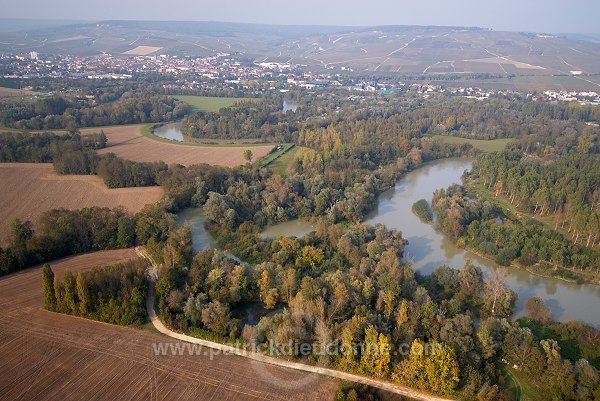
{"x": 281, "y": 164}
{"x": 481, "y": 144}
{"x": 522, "y": 388}
{"x": 271, "y": 158}
{"x": 211, "y": 104}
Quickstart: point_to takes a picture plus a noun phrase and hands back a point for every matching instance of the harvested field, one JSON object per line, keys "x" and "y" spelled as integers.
{"x": 70, "y": 38}
{"x": 49, "y": 356}
{"x": 11, "y": 92}
{"x": 29, "y": 189}
{"x": 505, "y": 60}
{"x": 129, "y": 143}
{"x": 143, "y": 50}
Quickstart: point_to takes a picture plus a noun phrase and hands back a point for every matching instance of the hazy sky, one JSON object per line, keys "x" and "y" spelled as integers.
{"x": 576, "y": 16}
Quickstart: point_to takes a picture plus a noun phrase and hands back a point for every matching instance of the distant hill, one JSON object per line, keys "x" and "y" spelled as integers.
{"x": 19, "y": 24}
{"x": 422, "y": 51}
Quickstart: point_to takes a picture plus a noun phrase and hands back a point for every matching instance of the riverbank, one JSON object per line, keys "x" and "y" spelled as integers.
{"x": 541, "y": 268}
{"x": 536, "y": 269}
{"x": 428, "y": 248}
{"x": 536, "y": 272}
{"x": 148, "y": 132}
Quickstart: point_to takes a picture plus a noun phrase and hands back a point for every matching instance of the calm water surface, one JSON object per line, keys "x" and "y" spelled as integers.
{"x": 169, "y": 131}
{"x": 429, "y": 249}
{"x": 289, "y": 105}
{"x": 194, "y": 217}
{"x": 292, "y": 228}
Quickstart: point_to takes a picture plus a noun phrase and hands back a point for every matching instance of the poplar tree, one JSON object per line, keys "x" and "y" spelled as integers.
{"x": 48, "y": 286}
{"x": 70, "y": 300}
{"x": 58, "y": 295}
{"x": 376, "y": 353}
{"x": 82, "y": 294}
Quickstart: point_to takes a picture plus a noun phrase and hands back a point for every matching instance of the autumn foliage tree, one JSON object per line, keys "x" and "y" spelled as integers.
{"x": 432, "y": 367}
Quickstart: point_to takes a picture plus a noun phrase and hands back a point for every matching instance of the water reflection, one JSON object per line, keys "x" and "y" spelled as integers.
{"x": 169, "y": 131}
{"x": 194, "y": 217}
{"x": 289, "y": 105}
{"x": 429, "y": 249}
{"x": 292, "y": 228}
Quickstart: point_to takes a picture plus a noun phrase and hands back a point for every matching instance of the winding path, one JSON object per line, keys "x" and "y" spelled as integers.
{"x": 255, "y": 356}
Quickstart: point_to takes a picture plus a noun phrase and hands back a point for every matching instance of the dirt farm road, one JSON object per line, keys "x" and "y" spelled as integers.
{"x": 51, "y": 356}
{"x": 261, "y": 359}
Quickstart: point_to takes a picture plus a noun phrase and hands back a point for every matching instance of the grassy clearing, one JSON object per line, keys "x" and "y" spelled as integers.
{"x": 149, "y": 327}
{"x": 280, "y": 165}
{"x": 481, "y": 144}
{"x": 272, "y": 157}
{"x": 549, "y": 220}
{"x": 523, "y": 389}
{"x": 212, "y": 104}
{"x": 574, "y": 343}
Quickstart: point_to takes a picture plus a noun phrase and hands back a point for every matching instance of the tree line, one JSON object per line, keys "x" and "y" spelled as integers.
{"x": 485, "y": 227}
{"x": 348, "y": 288}
{"x": 62, "y": 232}
{"x": 76, "y": 154}
{"x": 346, "y": 284}
{"x": 261, "y": 120}
{"x": 114, "y": 294}
{"x": 59, "y": 113}
{"x": 567, "y": 189}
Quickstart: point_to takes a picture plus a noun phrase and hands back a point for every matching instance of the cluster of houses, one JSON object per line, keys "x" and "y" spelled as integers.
{"x": 584, "y": 97}
{"x": 198, "y": 72}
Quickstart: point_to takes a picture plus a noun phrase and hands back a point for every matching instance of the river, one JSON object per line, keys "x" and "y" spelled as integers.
{"x": 429, "y": 249}
{"x": 201, "y": 239}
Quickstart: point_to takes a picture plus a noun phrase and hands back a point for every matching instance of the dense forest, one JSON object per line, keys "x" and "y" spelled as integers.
{"x": 377, "y": 129}
{"x": 567, "y": 188}
{"x": 483, "y": 226}
{"x": 115, "y": 294}
{"x": 65, "y": 232}
{"x": 347, "y": 288}
{"x": 255, "y": 120}
{"x": 59, "y": 113}
{"x": 70, "y": 153}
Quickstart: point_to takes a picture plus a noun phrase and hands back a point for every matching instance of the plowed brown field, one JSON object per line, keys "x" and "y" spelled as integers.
{"x": 49, "y": 356}
{"x": 128, "y": 142}
{"x": 27, "y": 190}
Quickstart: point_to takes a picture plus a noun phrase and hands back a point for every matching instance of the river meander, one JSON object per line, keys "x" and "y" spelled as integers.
{"x": 429, "y": 249}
